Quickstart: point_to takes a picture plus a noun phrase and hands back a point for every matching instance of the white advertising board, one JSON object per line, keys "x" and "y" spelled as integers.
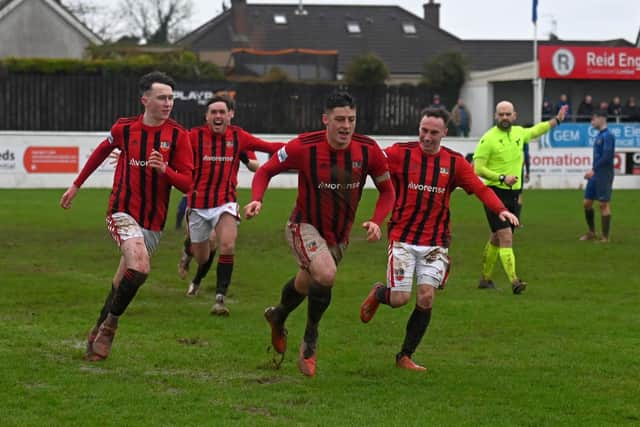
{"x": 53, "y": 160}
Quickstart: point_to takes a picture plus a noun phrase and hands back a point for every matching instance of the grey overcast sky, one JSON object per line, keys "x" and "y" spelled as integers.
{"x": 499, "y": 19}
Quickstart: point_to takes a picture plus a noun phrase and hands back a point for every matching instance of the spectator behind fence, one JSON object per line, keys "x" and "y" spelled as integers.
{"x": 564, "y": 100}
{"x": 630, "y": 112}
{"x": 547, "y": 109}
{"x": 461, "y": 118}
{"x": 585, "y": 109}
{"x": 436, "y": 103}
{"x": 604, "y": 106}
{"x": 615, "y": 108}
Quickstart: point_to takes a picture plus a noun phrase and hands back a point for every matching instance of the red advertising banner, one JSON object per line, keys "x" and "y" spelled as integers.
{"x": 589, "y": 62}
{"x": 51, "y": 159}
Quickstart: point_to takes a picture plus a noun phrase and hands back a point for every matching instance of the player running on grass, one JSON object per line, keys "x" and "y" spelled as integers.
{"x": 154, "y": 156}
{"x": 251, "y": 162}
{"x": 424, "y": 175}
{"x": 332, "y": 165}
{"x": 217, "y": 150}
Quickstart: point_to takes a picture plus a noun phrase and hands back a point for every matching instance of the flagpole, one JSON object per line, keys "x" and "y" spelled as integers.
{"x": 537, "y": 93}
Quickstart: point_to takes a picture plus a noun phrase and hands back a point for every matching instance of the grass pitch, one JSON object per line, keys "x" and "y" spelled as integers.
{"x": 563, "y": 353}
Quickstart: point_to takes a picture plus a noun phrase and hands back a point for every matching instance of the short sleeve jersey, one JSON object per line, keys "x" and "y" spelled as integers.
{"x": 504, "y": 152}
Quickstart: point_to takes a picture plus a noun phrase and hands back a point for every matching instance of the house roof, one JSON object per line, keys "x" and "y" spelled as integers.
{"x": 381, "y": 32}
{"x": 325, "y": 27}
{"x": 7, "y": 6}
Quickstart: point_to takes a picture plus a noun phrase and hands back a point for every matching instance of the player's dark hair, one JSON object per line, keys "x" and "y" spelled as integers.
{"x": 600, "y": 113}
{"x": 439, "y": 113}
{"x": 145, "y": 82}
{"x": 221, "y": 98}
{"x": 339, "y": 99}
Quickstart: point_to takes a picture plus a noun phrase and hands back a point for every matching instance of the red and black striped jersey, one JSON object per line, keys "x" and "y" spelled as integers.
{"x": 423, "y": 185}
{"x": 216, "y": 159}
{"x": 330, "y": 181}
{"x": 138, "y": 189}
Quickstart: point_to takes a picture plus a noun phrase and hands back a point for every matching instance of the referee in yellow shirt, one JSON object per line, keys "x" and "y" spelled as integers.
{"x": 498, "y": 160}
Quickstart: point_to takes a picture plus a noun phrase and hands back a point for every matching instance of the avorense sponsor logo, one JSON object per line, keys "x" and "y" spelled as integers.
{"x": 217, "y": 158}
{"x": 338, "y": 186}
{"x": 139, "y": 163}
{"x": 428, "y": 188}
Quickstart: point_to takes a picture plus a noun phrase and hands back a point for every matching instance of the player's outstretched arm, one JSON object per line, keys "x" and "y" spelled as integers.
{"x": 96, "y": 158}
{"x": 543, "y": 127}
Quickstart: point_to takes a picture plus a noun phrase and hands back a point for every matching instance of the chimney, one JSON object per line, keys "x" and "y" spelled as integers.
{"x": 432, "y": 13}
{"x": 239, "y": 20}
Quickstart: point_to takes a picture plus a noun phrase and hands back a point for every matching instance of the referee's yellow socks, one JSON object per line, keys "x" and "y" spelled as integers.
{"x": 508, "y": 260}
{"x": 489, "y": 258}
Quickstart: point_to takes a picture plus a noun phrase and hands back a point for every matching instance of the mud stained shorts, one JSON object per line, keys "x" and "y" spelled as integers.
{"x": 430, "y": 264}
{"x": 306, "y": 243}
{"x": 122, "y": 227}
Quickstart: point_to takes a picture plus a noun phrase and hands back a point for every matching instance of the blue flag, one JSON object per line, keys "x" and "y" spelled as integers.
{"x": 534, "y": 13}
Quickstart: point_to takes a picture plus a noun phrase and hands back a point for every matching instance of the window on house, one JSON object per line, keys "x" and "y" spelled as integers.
{"x": 353, "y": 27}
{"x": 280, "y": 18}
{"x": 408, "y": 28}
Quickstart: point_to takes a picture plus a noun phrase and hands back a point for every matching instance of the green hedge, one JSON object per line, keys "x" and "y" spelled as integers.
{"x": 183, "y": 66}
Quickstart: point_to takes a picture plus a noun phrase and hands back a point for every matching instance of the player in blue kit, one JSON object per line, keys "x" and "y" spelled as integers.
{"x": 600, "y": 178}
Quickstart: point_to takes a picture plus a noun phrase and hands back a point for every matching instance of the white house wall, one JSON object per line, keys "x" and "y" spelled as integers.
{"x": 479, "y": 94}
{"x": 34, "y": 29}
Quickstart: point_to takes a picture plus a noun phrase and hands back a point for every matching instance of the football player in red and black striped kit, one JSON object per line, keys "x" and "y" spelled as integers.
{"x": 424, "y": 175}
{"x": 155, "y": 155}
{"x": 332, "y": 166}
{"x": 218, "y": 147}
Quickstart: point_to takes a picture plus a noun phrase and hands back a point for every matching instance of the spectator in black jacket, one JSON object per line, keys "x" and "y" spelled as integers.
{"x": 585, "y": 109}
{"x": 615, "y": 108}
{"x": 631, "y": 112}
{"x": 547, "y": 110}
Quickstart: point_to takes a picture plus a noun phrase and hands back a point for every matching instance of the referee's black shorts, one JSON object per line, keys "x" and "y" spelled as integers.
{"x": 510, "y": 200}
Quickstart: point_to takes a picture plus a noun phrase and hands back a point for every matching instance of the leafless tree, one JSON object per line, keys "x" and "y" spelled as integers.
{"x": 156, "y": 21}
{"x": 92, "y": 15}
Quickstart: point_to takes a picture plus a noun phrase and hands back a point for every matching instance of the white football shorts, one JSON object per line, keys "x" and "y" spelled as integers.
{"x": 429, "y": 263}
{"x": 203, "y": 221}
